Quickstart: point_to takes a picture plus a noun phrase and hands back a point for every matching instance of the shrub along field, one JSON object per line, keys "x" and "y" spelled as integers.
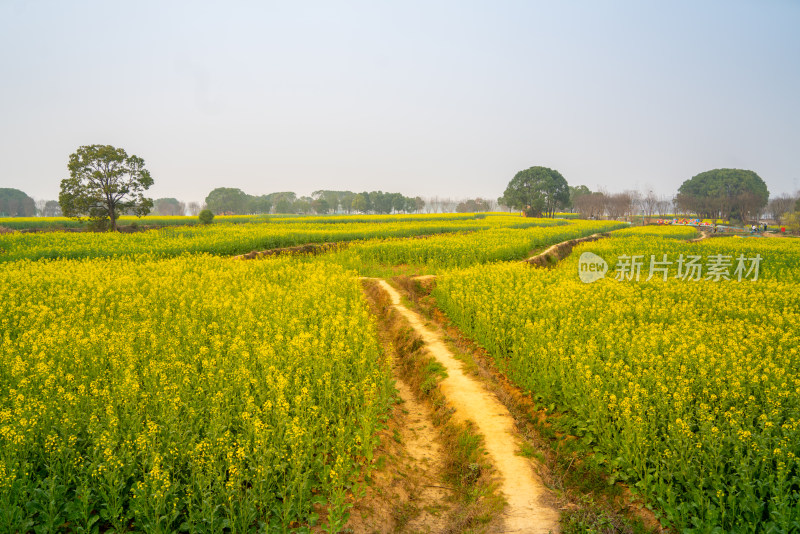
{"x": 689, "y": 389}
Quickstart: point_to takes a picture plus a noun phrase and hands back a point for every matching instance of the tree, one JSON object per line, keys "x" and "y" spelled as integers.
{"x": 620, "y": 205}
{"x": 259, "y": 205}
{"x": 473, "y": 206}
{"x": 15, "y": 203}
{"x": 536, "y": 191}
{"x": 791, "y": 221}
{"x": 399, "y": 202}
{"x": 320, "y": 206}
{"x": 336, "y": 199}
{"x": 380, "y": 202}
{"x": 195, "y": 207}
{"x": 104, "y": 182}
{"x": 359, "y": 203}
{"x": 168, "y": 206}
{"x": 227, "y": 200}
{"x": 302, "y": 205}
{"x": 591, "y": 205}
{"x": 649, "y": 202}
{"x": 206, "y": 216}
{"x": 727, "y": 193}
{"x": 283, "y": 201}
{"x": 575, "y": 193}
{"x": 780, "y": 205}
{"x": 51, "y": 209}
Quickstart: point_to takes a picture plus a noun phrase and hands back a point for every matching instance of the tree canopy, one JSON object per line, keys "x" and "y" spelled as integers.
{"x": 168, "y": 206}
{"x": 471, "y": 205}
{"x": 727, "y": 193}
{"x": 15, "y": 203}
{"x": 227, "y": 200}
{"x": 536, "y": 191}
{"x": 104, "y": 183}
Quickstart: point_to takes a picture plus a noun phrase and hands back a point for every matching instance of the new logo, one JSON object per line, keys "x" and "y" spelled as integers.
{"x": 591, "y": 267}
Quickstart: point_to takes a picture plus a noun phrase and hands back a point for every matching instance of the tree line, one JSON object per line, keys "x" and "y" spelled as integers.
{"x": 105, "y": 183}
{"x": 233, "y": 201}
{"x": 734, "y": 195}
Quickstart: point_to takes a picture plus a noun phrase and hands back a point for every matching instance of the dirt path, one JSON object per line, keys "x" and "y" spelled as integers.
{"x": 527, "y": 510}
{"x": 409, "y": 495}
{"x": 559, "y": 251}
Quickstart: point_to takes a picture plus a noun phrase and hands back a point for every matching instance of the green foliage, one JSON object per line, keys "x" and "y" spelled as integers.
{"x": 259, "y": 205}
{"x": 206, "y": 217}
{"x": 576, "y": 192}
{"x": 537, "y": 191}
{"x": 359, "y": 203}
{"x": 168, "y": 207}
{"x": 791, "y": 221}
{"x": 104, "y": 183}
{"x": 335, "y": 200}
{"x": 15, "y": 203}
{"x": 472, "y": 206}
{"x": 728, "y": 193}
{"x": 51, "y": 209}
{"x": 321, "y": 206}
{"x": 227, "y": 200}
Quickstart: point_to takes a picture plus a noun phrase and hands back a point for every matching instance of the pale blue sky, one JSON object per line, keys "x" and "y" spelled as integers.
{"x": 426, "y": 98}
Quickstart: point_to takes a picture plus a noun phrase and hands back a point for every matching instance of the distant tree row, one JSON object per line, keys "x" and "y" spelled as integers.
{"x": 729, "y": 194}
{"x": 232, "y": 201}
{"x": 105, "y": 183}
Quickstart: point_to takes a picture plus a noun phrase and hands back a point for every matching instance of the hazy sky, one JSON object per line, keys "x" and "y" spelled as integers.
{"x": 425, "y": 98}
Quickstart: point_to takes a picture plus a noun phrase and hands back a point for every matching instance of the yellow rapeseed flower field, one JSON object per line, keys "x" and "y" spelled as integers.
{"x": 193, "y": 390}
{"x": 226, "y": 239}
{"x": 689, "y": 389}
{"x": 150, "y": 383}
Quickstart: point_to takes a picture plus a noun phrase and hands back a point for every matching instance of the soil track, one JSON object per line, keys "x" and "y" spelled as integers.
{"x": 528, "y": 510}
{"x": 559, "y": 251}
{"x": 311, "y": 248}
{"x": 408, "y": 496}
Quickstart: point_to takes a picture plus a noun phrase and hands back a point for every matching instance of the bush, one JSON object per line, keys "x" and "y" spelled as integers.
{"x": 792, "y": 222}
{"x": 206, "y": 217}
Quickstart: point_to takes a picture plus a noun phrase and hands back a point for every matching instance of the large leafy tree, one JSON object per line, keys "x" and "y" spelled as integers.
{"x": 536, "y": 191}
{"x": 727, "y": 193}
{"x": 227, "y": 200}
{"x": 104, "y": 183}
{"x": 15, "y": 203}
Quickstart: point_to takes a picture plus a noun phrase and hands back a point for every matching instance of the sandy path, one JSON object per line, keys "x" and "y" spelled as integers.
{"x": 527, "y": 510}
